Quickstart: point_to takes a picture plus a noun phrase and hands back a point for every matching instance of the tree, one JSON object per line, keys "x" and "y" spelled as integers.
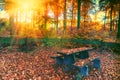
{"x": 86, "y": 5}
{"x": 118, "y": 32}
{"x": 104, "y": 8}
{"x": 109, "y": 6}
{"x": 65, "y": 17}
{"x": 105, "y": 19}
{"x": 57, "y": 10}
{"x": 72, "y": 13}
{"x": 78, "y": 17}
{"x": 9, "y": 8}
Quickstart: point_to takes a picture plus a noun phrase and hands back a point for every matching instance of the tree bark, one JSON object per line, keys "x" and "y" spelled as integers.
{"x": 56, "y": 18}
{"x": 105, "y": 19}
{"x": 72, "y": 15}
{"x": 111, "y": 18}
{"x": 11, "y": 25}
{"x": 64, "y": 17}
{"x": 57, "y": 24}
{"x": 118, "y": 32}
{"x": 45, "y": 16}
{"x": 78, "y": 21}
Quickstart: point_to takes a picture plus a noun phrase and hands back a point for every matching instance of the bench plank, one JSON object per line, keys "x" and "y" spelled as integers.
{"x": 75, "y": 50}
{"x": 82, "y": 62}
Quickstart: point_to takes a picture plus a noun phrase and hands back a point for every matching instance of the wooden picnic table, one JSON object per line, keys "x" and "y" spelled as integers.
{"x": 79, "y": 58}
{"x": 71, "y": 55}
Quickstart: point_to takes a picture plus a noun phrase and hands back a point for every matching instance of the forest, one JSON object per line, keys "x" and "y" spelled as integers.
{"x": 79, "y": 31}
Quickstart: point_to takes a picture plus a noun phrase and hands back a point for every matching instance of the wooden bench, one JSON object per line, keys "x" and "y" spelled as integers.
{"x": 86, "y": 65}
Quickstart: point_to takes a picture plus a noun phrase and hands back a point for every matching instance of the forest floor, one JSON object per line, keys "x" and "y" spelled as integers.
{"x": 39, "y": 66}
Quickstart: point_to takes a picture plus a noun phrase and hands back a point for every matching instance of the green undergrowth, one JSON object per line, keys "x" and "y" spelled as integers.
{"x": 29, "y": 44}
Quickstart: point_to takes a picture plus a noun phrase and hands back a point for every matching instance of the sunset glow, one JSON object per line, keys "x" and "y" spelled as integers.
{"x": 59, "y": 39}
{"x": 25, "y": 17}
{"x": 36, "y": 16}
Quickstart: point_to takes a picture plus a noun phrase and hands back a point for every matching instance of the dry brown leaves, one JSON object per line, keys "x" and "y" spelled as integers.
{"x": 22, "y": 66}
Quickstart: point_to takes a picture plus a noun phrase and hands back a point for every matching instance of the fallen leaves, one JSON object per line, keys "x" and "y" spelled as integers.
{"x": 39, "y": 66}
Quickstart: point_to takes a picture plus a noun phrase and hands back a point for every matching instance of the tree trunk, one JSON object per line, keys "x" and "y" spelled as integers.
{"x": 64, "y": 17}
{"x": 11, "y": 31}
{"x": 72, "y": 15}
{"x": 111, "y": 18}
{"x": 84, "y": 16}
{"x": 105, "y": 19}
{"x": 84, "y": 20}
{"x": 114, "y": 20}
{"x": 118, "y": 32}
{"x": 78, "y": 20}
{"x": 56, "y": 21}
{"x": 57, "y": 24}
{"x": 11, "y": 25}
{"x": 45, "y": 16}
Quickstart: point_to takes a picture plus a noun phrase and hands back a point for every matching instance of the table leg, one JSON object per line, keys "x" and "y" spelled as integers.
{"x": 84, "y": 70}
{"x": 69, "y": 59}
{"x": 59, "y": 60}
{"x": 96, "y": 63}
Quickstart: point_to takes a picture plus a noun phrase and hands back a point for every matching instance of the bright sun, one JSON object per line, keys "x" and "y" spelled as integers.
{"x": 24, "y": 18}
